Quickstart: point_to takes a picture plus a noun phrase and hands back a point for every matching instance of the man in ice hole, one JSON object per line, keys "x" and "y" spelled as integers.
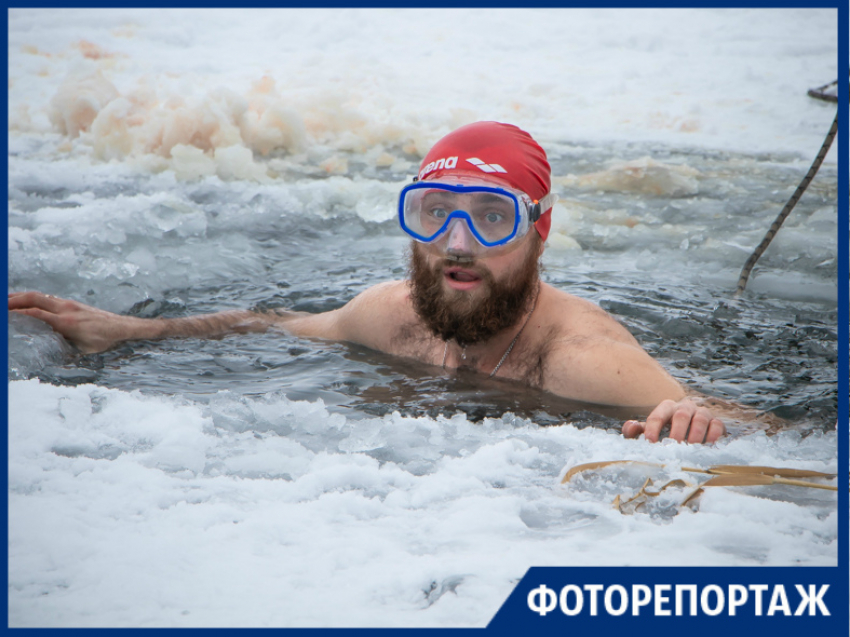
{"x": 479, "y": 213}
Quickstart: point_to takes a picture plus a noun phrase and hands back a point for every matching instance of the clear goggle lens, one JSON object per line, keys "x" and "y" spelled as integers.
{"x": 495, "y": 216}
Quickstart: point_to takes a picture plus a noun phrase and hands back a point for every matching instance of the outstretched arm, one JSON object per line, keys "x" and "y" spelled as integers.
{"x": 93, "y": 330}
{"x": 367, "y": 319}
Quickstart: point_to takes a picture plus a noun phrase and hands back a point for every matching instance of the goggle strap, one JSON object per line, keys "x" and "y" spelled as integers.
{"x": 547, "y": 202}
{"x": 541, "y": 206}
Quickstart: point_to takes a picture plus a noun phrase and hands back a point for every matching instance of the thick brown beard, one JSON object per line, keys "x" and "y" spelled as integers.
{"x": 452, "y": 314}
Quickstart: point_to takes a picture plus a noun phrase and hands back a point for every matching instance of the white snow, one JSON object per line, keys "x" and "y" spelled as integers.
{"x": 144, "y": 511}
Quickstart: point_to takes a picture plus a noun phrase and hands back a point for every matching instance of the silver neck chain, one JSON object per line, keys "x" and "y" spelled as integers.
{"x": 510, "y": 347}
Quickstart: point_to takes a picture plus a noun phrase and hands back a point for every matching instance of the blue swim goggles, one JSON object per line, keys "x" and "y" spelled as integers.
{"x": 495, "y": 216}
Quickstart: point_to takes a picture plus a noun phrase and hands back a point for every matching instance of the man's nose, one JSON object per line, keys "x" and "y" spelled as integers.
{"x": 460, "y": 238}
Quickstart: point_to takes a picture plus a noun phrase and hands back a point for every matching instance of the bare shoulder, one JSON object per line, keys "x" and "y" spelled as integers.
{"x": 366, "y": 319}
{"x": 379, "y": 302}
{"x": 572, "y": 319}
{"x": 590, "y": 356}
{"x": 388, "y": 290}
{"x": 372, "y": 318}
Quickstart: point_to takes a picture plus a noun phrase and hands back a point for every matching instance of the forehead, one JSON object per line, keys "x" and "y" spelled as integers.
{"x": 470, "y": 179}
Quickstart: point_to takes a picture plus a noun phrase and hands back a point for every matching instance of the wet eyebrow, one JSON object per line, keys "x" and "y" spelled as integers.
{"x": 436, "y": 192}
{"x": 478, "y": 198}
{"x": 488, "y": 198}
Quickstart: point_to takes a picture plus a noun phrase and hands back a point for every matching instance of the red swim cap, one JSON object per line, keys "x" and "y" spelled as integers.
{"x": 495, "y": 151}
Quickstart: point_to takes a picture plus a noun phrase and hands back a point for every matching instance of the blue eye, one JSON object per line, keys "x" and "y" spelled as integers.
{"x": 439, "y": 213}
{"x": 493, "y": 217}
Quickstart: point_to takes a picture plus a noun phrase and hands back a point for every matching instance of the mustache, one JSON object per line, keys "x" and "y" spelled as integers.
{"x": 469, "y": 262}
{"x": 459, "y": 259}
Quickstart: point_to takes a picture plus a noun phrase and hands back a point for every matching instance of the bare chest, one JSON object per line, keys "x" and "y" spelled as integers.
{"x": 523, "y": 360}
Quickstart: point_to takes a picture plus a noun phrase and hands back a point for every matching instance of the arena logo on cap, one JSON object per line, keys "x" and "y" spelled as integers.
{"x": 487, "y": 168}
{"x": 444, "y": 162}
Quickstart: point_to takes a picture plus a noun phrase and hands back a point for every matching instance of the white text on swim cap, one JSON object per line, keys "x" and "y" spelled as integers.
{"x": 487, "y": 168}
{"x": 444, "y": 162}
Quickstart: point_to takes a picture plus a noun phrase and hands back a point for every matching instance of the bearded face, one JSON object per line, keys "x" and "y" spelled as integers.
{"x": 467, "y": 317}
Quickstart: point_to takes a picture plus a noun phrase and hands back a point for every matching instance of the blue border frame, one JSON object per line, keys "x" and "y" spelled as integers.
{"x": 4, "y": 344}
{"x": 509, "y": 619}
{"x": 843, "y": 302}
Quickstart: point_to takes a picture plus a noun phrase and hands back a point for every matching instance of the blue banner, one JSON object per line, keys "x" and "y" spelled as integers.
{"x": 708, "y": 601}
